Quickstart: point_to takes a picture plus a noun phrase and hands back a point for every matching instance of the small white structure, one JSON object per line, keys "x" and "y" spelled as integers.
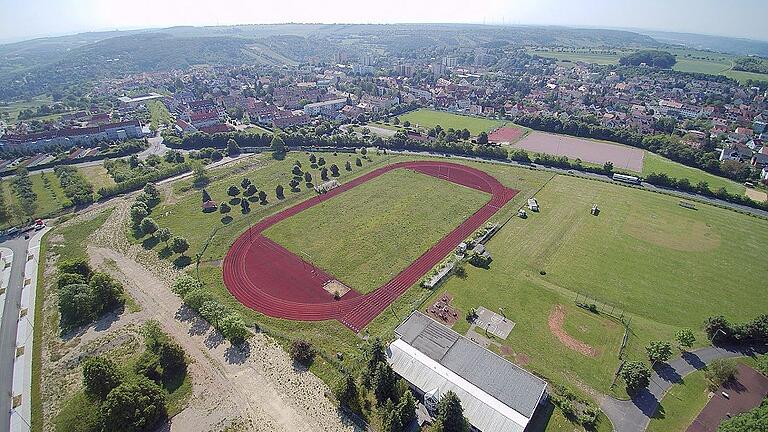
{"x": 325, "y": 187}
{"x": 533, "y": 205}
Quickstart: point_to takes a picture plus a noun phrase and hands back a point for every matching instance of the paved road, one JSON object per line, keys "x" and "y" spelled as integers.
{"x": 8, "y": 325}
{"x": 633, "y": 415}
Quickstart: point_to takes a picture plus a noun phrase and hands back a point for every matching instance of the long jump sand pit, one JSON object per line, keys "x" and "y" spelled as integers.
{"x": 584, "y": 149}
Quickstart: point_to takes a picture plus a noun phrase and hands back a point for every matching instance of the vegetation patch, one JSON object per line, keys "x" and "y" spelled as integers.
{"x": 428, "y": 119}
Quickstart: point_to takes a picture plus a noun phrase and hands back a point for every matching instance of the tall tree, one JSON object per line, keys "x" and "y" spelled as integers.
{"x": 450, "y": 414}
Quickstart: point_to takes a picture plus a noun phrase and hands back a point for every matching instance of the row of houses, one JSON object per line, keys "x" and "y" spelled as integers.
{"x": 70, "y": 137}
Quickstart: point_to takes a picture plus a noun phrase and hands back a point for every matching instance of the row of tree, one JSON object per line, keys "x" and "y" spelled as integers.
{"x": 220, "y": 316}
{"x": 139, "y": 182}
{"x": 76, "y": 186}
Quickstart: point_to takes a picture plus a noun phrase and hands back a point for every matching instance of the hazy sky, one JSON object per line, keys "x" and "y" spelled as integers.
{"x": 21, "y": 19}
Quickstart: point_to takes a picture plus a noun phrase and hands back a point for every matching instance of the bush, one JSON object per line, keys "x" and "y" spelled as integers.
{"x": 100, "y": 376}
{"x": 70, "y": 279}
{"x": 302, "y": 352}
{"x": 185, "y": 283}
{"x": 76, "y": 305}
{"x": 133, "y": 406}
{"x": 233, "y": 328}
{"x": 76, "y": 266}
{"x": 659, "y": 351}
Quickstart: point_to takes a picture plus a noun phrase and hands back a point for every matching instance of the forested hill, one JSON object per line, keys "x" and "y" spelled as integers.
{"x": 43, "y": 65}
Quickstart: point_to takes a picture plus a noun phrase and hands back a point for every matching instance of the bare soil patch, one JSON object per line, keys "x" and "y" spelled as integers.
{"x": 584, "y": 149}
{"x": 556, "y": 320}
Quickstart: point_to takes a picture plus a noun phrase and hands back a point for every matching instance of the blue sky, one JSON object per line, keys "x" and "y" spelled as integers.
{"x": 20, "y": 19}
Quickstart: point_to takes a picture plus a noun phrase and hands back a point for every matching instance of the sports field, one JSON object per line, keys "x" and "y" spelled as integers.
{"x": 427, "y": 119}
{"x": 375, "y": 230}
{"x": 667, "y": 266}
{"x": 596, "y": 152}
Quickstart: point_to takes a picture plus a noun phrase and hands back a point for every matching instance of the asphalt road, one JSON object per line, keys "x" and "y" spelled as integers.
{"x": 8, "y": 325}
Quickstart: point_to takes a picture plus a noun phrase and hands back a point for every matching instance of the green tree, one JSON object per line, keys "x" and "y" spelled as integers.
{"x": 232, "y": 147}
{"x": 346, "y": 392}
{"x": 100, "y": 376}
{"x": 358, "y": 162}
{"x": 76, "y": 305}
{"x": 608, "y": 167}
{"x": 224, "y": 208}
{"x": 65, "y": 279}
{"x": 107, "y": 292}
{"x": 685, "y": 338}
{"x": 348, "y": 166}
{"x": 263, "y": 197}
{"x": 133, "y": 406}
{"x": 152, "y": 192}
{"x": 233, "y": 191}
{"x": 233, "y": 328}
{"x": 179, "y": 245}
{"x": 659, "y": 351}
{"x": 148, "y": 226}
{"x": 200, "y": 176}
{"x": 324, "y": 173}
{"x": 76, "y": 266}
{"x": 334, "y": 170}
{"x": 245, "y": 182}
{"x": 184, "y": 284}
{"x": 164, "y": 235}
{"x": 384, "y": 383}
{"x": 214, "y": 312}
{"x": 278, "y": 146}
{"x": 296, "y": 170}
{"x": 302, "y": 352}
{"x": 407, "y": 408}
{"x": 206, "y": 196}
{"x": 753, "y": 420}
{"x": 450, "y": 414}
{"x": 482, "y": 138}
{"x": 250, "y": 190}
{"x": 636, "y": 375}
{"x": 307, "y": 177}
{"x": 279, "y": 192}
{"x": 719, "y": 372}
{"x": 138, "y": 213}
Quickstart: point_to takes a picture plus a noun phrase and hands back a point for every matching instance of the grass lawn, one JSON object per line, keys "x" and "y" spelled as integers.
{"x": 659, "y": 164}
{"x": 372, "y": 232}
{"x": 14, "y": 108}
{"x": 73, "y": 237}
{"x": 98, "y": 176}
{"x": 256, "y": 129}
{"x": 159, "y": 115}
{"x": 427, "y": 119}
{"x": 681, "y": 404}
{"x": 665, "y": 265}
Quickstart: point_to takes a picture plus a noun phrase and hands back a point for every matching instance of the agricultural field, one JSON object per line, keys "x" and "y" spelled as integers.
{"x": 13, "y": 109}
{"x": 428, "y": 119}
{"x": 687, "y": 61}
{"x": 374, "y": 231}
{"x": 654, "y": 163}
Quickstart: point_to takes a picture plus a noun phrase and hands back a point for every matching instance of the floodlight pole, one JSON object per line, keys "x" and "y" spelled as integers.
{"x": 712, "y": 341}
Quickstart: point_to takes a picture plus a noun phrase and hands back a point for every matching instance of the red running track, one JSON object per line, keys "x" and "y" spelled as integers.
{"x": 268, "y": 278}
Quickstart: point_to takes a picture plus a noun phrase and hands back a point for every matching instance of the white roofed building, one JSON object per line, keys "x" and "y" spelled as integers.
{"x": 496, "y": 394}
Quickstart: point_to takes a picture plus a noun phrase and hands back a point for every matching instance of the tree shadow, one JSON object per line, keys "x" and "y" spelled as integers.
{"x": 253, "y": 198}
{"x": 173, "y": 381}
{"x": 245, "y": 210}
{"x": 660, "y": 413}
{"x": 237, "y": 354}
{"x": 541, "y": 417}
{"x": 234, "y": 201}
{"x": 150, "y": 242}
{"x": 693, "y": 360}
{"x": 214, "y": 339}
{"x": 226, "y": 220}
{"x": 645, "y": 401}
{"x": 263, "y": 202}
{"x": 182, "y": 261}
{"x": 164, "y": 253}
{"x": 668, "y": 373}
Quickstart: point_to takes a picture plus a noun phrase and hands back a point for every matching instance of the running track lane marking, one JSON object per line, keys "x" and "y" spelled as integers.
{"x": 268, "y": 278}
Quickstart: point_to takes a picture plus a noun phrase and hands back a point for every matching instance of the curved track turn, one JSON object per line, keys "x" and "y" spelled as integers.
{"x": 268, "y": 278}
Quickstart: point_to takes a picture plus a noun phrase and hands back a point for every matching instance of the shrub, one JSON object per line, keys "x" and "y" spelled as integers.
{"x": 636, "y": 375}
{"x": 184, "y": 284}
{"x": 302, "y": 352}
{"x": 100, "y": 376}
{"x": 659, "y": 351}
{"x": 685, "y": 338}
{"x": 76, "y": 266}
{"x": 70, "y": 279}
{"x": 133, "y": 406}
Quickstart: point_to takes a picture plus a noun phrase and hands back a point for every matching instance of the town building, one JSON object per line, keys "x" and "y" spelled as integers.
{"x": 496, "y": 394}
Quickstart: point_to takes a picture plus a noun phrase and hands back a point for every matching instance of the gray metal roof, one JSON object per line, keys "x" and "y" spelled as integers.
{"x": 496, "y": 376}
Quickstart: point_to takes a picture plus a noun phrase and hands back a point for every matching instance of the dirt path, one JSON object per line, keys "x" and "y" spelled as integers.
{"x": 556, "y": 320}
{"x": 256, "y": 387}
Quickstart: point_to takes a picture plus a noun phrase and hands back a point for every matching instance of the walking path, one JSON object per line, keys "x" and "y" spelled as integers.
{"x": 633, "y": 415}
{"x": 21, "y": 416}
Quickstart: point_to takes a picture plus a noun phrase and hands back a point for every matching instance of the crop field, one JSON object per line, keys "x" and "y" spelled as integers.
{"x": 654, "y": 163}
{"x": 372, "y": 232}
{"x": 428, "y": 119}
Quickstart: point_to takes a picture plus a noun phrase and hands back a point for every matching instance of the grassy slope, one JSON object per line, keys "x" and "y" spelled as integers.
{"x": 13, "y": 109}
{"x": 98, "y": 176}
{"x": 372, "y": 232}
{"x": 659, "y": 164}
{"x": 159, "y": 115}
{"x": 428, "y": 119}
